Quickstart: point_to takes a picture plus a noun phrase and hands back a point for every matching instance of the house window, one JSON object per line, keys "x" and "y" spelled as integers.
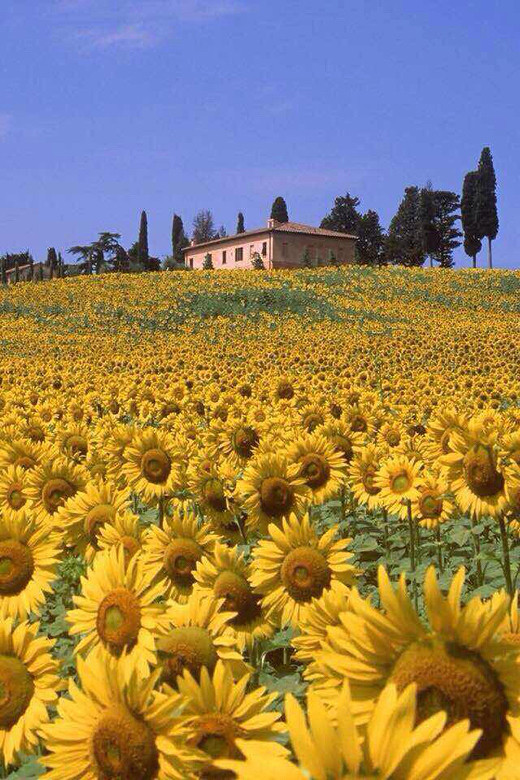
{"x": 191, "y": 262}
{"x": 264, "y": 248}
{"x": 285, "y": 250}
{"x": 224, "y": 257}
{"x": 239, "y": 254}
{"x": 341, "y": 253}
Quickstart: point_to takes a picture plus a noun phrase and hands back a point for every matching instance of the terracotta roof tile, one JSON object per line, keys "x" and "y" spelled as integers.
{"x": 279, "y": 227}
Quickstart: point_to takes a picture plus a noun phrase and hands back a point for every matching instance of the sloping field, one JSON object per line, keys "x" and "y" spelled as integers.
{"x": 229, "y": 499}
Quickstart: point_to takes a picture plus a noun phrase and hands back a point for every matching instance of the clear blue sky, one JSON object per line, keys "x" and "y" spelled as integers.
{"x": 111, "y": 106}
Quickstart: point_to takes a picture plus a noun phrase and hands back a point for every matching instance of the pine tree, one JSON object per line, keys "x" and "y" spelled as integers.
{"x": 447, "y": 205}
{"x": 279, "y": 210}
{"x": 179, "y": 239}
{"x": 306, "y": 258}
{"x": 257, "y": 263}
{"x": 472, "y": 244}
{"x": 344, "y": 216}
{"x": 240, "y": 223}
{"x": 143, "y": 241}
{"x": 486, "y": 218}
{"x": 404, "y": 244}
{"x": 371, "y": 239}
{"x": 207, "y": 263}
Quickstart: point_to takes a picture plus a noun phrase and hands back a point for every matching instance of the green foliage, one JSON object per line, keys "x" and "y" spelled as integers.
{"x": 279, "y": 210}
{"x": 240, "y": 223}
{"x": 306, "y": 258}
{"x": 468, "y": 206}
{"x": 404, "y": 244}
{"x": 446, "y": 217}
{"x": 257, "y": 262}
{"x": 344, "y": 216}
{"x": 204, "y": 227}
{"x": 207, "y": 263}
{"x": 143, "y": 253}
{"x": 179, "y": 239}
{"x": 486, "y": 216}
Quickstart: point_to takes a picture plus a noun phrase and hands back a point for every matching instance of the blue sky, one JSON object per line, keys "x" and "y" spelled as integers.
{"x": 109, "y": 107}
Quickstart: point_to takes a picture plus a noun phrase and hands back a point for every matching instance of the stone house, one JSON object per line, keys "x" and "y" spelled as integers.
{"x": 280, "y": 245}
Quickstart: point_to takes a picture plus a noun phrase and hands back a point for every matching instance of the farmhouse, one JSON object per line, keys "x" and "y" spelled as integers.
{"x": 280, "y": 245}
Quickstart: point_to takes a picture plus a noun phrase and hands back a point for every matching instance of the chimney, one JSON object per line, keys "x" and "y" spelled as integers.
{"x": 193, "y": 242}
{"x": 271, "y": 223}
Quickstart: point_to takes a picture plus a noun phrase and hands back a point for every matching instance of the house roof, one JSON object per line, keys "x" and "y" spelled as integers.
{"x": 279, "y": 227}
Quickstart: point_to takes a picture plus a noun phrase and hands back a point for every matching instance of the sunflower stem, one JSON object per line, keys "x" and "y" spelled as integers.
{"x": 476, "y": 547}
{"x": 385, "y": 531}
{"x": 505, "y": 552}
{"x": 411, "y": 532}
{"x": 439, "y": 548}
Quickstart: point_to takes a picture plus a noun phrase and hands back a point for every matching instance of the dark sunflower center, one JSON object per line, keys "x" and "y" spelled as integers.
{"x": 16, "y": 567}
{"x": 55, "y": 492}
{"x": 358, "y": 424}
{"x": 285, "y": 390}
{"x": 25, "y": 462}
{"x": 215, "y": 735}
{"x": 180, "y": 559}
{"x": 244, "y": 441}
{"x": 96, "y": 519}
{"x": 276, "y": 496}
{"x": 315, "y": 470}
{"x": 344, "y": 445}
{"x": 312, "y": 420}
{"x": 213, "y": 492}
{"x": 401, "y": 482}
{"x": 16, "y": 690}
{"x": 119, "y": 619}
{"x": 124, "y": 747}
{"x": 76, "y": 445}
{"x": 430, "y": 505}
{"x": 238, "y": 597}
{"x": 35, "y": 433}
{"x": 368, "y": 481}
{"x": 15, "y": 496}
{"x": 305, "y": 574}
{"x": 481, "y": 474}
{"x": 156, "y": 466}
{"x": 187, "y": 647}
{"x": 458, "y": 681}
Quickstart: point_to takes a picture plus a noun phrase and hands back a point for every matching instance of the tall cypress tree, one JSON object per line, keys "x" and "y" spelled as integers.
{"x": 404, "y": 245}
{"x": 427, "y": 213}
{"x": 52, "y": 258}
{"x": 486, "y": 201}
{"x": 240, "y": 223}
{"x": 143, "y": 241}
{"x": 279, "y": 210}
{"x": 179, "y": 239}
{"x": 472, "y": 243}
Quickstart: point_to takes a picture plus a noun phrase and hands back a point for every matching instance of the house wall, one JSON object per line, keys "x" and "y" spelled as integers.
{"x": 289, "y": 248}
{"x": 194, "y": 257}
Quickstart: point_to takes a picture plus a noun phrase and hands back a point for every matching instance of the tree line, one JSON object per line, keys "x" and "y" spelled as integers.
{"x": 425, "y": 228}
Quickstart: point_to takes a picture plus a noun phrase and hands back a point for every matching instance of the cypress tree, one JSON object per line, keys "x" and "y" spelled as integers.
{"x": 427, "y": 213}
{"x": 486, "y": 216}
{"x": 472, "y": 244}
{"x": 16, "y": 270}
{"x": 240, "y": 223}
{"x": 4, "y": 274}
{"x": 207, "y": 263}
{"x": 179, "y": 240}
{"x": 371, "y": 239}
{"x": 447, "y": 205}
{"x": 143, "y": 241}
{"x": 279, "y": 210}
{"x": 52, "y": 257}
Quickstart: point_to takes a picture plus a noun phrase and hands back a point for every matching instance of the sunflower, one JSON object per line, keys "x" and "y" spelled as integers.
{"x": 21, "y": 452}
{"x": 458, "y": 660}
{"x": 321, "y": 613}
{"x": 115, "y": 439}
{"x": 397, "y": 480}
{"x": 197, "y": 635}
{"x": 73, "y": 440}
{"x": 93, "y": 507}
{"x": 478, "y": 474}
{"x": 226, "y": 575}
{"x": 342, "y": 438}
{"x": 296, "y": 565}
{"x": 237, "y": 441}
{"x": 13, "y": 498}
{"x": 170, "y": 554}
{"x": 431, "y": 507}
{"x": 212, "y": 490}
{"x": 393, "y": 747}
{"x": 320, "y": 464}
{"x": 28, "y": 685}
{"x": 117, "y": 609}
{"x": 29, "y": 556}
{"x": 218, "y": 711}
{"x": 270, "y": 489}
{"x": 124, "y": 531}
{"x": 50, "y": 485}
{"x": 152, "y": 464}
{"x": 114, "y": 727}
{"x": 362, "y": 471}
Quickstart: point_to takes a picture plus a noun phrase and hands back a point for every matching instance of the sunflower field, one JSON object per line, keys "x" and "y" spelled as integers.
{"x": 261, "y": 525}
